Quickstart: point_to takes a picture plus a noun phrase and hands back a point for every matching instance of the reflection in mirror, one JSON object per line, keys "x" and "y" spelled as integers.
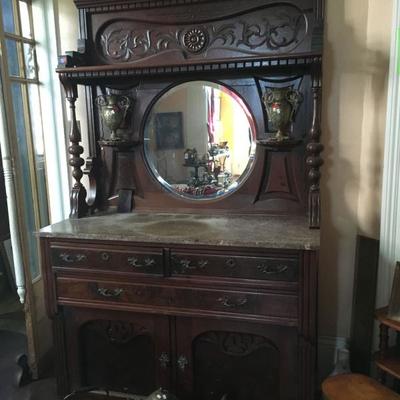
{"x": 199, "y": 140}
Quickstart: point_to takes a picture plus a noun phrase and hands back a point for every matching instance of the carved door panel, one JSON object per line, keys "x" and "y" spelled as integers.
{"x": 124, "y": 352}
{"x": 241, "y": 361}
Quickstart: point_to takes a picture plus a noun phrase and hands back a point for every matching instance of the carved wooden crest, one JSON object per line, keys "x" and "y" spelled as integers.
{"x": 267, "y": 29}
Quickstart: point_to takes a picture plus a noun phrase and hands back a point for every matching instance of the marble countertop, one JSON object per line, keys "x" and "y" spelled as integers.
{"x": 254, "y": 231}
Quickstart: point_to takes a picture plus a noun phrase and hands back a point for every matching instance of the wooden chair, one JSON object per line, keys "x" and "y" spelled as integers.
{"x": 355, "y": 387}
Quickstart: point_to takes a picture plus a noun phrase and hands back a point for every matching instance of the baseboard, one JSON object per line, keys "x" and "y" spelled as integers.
{"x": 327, "y": 349}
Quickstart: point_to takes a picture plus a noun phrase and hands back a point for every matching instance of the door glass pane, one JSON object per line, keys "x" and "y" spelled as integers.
{"x": 37, "y": 133}
{"x": 12, "y": 57}
{"x": 25, "y": 20}
{"x": 8, "y": 15}
{"x": 29, "y": 212}
{"x": 29, "y": 55}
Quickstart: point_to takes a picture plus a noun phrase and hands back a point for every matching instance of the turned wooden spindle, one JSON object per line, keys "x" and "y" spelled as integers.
{"x": 78, "y": 191}
{"x": 314, "y": 149}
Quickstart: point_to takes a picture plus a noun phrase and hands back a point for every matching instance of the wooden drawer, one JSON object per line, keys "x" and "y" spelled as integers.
{"x": 123, "y": 295}
{"x": 272, "y": 268}
{"x": 108, "y": 258}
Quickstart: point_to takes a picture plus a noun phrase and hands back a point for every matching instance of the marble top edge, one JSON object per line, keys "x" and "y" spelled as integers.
{"x": 191, "y": 229}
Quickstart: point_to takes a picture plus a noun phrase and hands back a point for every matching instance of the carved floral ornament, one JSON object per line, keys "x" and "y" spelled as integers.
{"x": 127, "y": 41}
{"x": 195, "y": 39}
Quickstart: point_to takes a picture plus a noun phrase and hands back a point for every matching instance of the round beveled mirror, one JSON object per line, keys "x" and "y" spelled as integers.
{"x": 199, "y": 140}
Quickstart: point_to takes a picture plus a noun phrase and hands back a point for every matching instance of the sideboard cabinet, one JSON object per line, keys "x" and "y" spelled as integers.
{"x": 190, "y": 257}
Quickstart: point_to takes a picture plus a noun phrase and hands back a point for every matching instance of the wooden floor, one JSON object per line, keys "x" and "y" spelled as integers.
{"x": 13, "y": 348}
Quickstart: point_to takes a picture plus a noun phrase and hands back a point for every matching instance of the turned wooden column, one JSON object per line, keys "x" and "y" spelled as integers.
{"x": 78, "y": 203}
{"x": 314, "y": 149}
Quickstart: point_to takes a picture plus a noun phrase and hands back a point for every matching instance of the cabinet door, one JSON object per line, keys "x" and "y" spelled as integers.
{"x": 124, "y": 352}
{"x": 242, "y": 361}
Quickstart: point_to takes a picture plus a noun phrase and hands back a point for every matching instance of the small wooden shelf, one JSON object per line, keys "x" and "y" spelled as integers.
{"x": 389, "y": 361}
{"x": 382, "y": 317}
{"x": 276, "y": 145}
{"x": 84, "y": 74}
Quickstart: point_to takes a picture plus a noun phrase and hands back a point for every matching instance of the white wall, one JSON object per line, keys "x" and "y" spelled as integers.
{"x": 356, "y": 61}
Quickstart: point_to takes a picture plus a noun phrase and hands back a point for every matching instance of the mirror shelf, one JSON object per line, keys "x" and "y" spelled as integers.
{"x": 73, "y": 67}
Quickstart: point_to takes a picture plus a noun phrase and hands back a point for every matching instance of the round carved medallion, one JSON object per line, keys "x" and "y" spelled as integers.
{"x": 195, "y": 40}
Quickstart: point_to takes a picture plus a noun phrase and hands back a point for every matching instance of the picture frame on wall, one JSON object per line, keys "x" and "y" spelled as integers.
{"x": 394, "y": 302}
{"x": 169, "y": 130}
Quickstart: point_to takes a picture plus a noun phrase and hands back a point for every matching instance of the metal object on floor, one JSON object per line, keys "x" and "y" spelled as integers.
{"x": 77, "y": 394}
{"x": 159, "y": 394}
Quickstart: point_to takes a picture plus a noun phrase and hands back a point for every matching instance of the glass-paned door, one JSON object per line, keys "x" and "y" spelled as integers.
{"x": 20, "y": 83}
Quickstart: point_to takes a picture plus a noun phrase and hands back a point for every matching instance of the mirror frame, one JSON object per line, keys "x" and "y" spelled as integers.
{"x": 251, "y": 160}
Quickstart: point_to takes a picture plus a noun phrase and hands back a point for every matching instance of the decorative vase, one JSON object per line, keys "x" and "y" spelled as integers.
{"x": 113, "y": 110}
{"x": 281, "y": 105}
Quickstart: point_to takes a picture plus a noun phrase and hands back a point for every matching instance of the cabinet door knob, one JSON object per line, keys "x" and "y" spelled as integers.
{"x": 272, "y": 269}
{"x": 229, "y": 302}
{"x": 182, "y": 362}
{"x": 164, "y": 360}
{"x": 105, "y": 292}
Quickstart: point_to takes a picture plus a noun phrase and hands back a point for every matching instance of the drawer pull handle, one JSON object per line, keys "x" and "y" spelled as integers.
{"x": 110, "y": 292}
{"x": 164, "y": 360}
{"x": 135, "y": 263}
{"x": 230, "y": 263}
{"x": 272, "y": 269}
{"x": 182, "y": 363}
{"x": 228, "y": 302}
{"x": 188, "y": 266}
{"x": 70, "y": 258}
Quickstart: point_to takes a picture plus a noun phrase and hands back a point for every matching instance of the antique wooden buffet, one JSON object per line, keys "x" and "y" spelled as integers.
{"x": 189, "y": 260}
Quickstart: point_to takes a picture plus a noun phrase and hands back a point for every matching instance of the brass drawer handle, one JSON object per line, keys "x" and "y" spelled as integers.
{"x": 182, "y": 362}
{"x": 228, "y": 302}
{"x": 135, "y": 263}
{"x": 71, "y": 258}
{"x": 188, "y": 266}
{"x": 110, "y": 292}
{"x": 272, "y": 269}
{"x": 164, "y": 360}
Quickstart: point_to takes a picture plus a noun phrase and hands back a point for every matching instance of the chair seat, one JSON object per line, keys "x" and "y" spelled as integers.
{"x": 356, "y": 387}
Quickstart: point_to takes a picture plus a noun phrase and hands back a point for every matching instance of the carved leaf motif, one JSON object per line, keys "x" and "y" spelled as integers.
{"x": 236, "y": 344}
{"x": 123, "y": 45}
{"x": 224, "y": 33}
{"x": 273, "y": 35}
{"x": 120, "y": 332}
{"x": 167, "y": 40}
